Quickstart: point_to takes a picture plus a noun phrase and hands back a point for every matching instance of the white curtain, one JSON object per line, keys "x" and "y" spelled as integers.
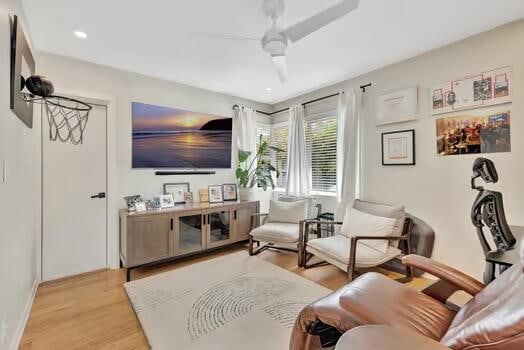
{"x": 298, "y": 173}
{"x": 246, "y": 130}
{"x": 348, "y": 150}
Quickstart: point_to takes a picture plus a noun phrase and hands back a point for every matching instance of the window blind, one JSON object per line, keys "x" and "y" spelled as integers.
{"x": 279, "y": 138}
{"x": 276, "y": 135}
{"x": 321, "y": 149}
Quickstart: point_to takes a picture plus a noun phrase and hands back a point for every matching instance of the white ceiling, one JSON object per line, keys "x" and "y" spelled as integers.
{"x": 160, "y": 38}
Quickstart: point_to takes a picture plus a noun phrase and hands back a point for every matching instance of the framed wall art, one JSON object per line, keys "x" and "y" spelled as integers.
{"x": 398, "y": 147}
{"x": 481, "y": 90}
{"x": 396, "y": 107}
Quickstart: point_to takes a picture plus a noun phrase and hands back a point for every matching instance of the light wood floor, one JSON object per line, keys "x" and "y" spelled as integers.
{"x": 92, "y": 311}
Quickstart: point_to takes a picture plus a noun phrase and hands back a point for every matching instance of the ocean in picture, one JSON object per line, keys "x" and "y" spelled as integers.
{"x": 174, "y": 138}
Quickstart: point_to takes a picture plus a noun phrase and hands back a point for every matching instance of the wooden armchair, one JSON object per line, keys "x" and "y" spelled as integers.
{"x": 345, "y": 252}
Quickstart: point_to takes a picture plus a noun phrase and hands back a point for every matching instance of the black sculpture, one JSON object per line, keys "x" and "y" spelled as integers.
{"x": 488, "y": 210}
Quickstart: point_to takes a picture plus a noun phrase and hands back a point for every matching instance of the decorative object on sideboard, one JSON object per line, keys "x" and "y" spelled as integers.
{"x": 166, "y": 201}
{"x": 256, "y": 171}
{"x": 152, "y": 201}
{"x": 140, "y": 207}
{"x": 479, "y": 131}
{"x": 203, "y": 195}
{"x": 398, "y": 147}
{"x": 215, "y": 194}
{"x": 131, "y": 201}
{"x": 396, "y": 107}
{"x": 481, "y": 90}
{"x": 230, "y": 192}
{"x": 22, "y": 67}
{"x": 166, "y": 137}
{"x": 188, "y": 197}
{"x": 177, "y": 190}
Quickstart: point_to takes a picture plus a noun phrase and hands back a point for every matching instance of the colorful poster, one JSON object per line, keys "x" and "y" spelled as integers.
{"x": 475, "y": 132}
{"x": 485, "y": 89}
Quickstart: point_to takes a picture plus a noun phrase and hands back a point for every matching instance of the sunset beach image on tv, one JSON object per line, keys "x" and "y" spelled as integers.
{"x": 175, "y": 138}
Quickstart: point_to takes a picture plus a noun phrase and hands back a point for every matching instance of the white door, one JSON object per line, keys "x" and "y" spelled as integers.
{"x": 74, "y": 235}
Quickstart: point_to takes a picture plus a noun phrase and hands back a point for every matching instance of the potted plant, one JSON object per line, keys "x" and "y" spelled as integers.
{"x": 258, "y": 173}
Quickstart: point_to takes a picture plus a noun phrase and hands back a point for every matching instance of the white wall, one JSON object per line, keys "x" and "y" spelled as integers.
{"x": 19, "y": 200}
{"x": 437, "y": 189}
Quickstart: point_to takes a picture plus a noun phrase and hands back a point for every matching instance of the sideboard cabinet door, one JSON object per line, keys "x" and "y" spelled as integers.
{"x": 243, "y": 220}
{"x": 148, "y": 239}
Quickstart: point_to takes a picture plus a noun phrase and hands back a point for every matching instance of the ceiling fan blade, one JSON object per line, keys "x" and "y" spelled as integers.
{"x": 279, "y": 62}
{"x": 229, "y": 37}
{"x": 321, "y": 19}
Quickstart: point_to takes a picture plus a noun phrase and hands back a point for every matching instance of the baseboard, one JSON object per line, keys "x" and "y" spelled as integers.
{"x": 19, "y": 333}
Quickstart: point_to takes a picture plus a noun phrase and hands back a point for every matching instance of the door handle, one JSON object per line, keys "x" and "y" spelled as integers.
{"x": 99, "y": 195}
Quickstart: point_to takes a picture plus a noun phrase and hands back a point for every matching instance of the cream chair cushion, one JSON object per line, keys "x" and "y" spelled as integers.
{"x": 335, "y": 250}
{"x": 385, "y": 210}
{"x": 291, "y": 212}
{"x": 359, "y": 223}
{"x": 277, "y": 232}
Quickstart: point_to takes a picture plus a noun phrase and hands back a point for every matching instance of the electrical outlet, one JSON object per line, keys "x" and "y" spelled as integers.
{"x": 3, "y": 331}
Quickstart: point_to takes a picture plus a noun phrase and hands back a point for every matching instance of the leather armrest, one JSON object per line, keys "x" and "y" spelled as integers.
{"x": 386, "y": 338}
{"x": 380, "y": 238}
{"x": 260, "y": 214}
{"x": 448, "y": 274}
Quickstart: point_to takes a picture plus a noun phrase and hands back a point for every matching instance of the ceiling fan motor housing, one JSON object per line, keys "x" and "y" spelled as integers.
{"x": 275, "y": 42}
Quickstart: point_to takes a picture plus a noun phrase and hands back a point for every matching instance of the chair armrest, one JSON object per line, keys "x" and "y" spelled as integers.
{"x": 262, "y": 216}
{"x": 380, "y": 238}
{"x": 380, "y": 337}
{"x": 448, "y": 274}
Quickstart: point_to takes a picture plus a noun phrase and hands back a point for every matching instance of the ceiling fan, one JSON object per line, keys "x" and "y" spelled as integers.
{"x": 275, "y": 40}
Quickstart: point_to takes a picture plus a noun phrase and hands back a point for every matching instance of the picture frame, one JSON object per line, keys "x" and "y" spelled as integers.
{"x": 229, "y": 192}
{"x": 131, "y": 201}
{"x": 398, "y": 147}
{"x": 166, "y": 201}
{"x": 177, "y": 190}
{"x": 140, "y": 207}
{"x": 188, "y": 197}
{"x": 215, "y": 194}
{"x": 152, "y": 202}
{"x": 203, "y": 195}
{"x": 397, "y": 107}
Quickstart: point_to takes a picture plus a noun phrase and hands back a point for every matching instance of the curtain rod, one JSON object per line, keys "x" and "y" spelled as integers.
{"x": 362, "y": 87}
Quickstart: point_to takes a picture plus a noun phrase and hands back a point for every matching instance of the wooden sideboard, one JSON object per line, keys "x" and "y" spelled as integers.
{"x": 158, "y": 236}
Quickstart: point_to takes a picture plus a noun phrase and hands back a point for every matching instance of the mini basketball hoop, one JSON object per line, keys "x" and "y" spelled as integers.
{"x": 67, "y": 117}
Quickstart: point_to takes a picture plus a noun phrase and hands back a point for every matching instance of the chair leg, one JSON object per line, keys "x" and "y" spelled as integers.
{"x": 250, "y": 246}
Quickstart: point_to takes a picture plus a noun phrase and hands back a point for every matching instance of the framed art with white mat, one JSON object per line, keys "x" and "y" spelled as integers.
{"x": 398, "y": 147}
{"x": 397, "y": 107}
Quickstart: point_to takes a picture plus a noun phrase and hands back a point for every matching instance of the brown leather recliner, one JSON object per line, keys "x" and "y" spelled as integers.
{"x": 492, "y": 320}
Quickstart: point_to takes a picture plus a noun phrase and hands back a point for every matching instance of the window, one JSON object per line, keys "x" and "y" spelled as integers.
{"x": 321, "y": 149}
{"x": 279, "y": 139}
{"x": 276, "y": 135}
{"x": 264, "y": 130}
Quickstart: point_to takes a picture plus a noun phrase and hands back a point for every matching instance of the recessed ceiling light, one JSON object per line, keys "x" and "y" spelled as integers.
{"x": 269, "y": 89}
{"x": 80, "y": 35}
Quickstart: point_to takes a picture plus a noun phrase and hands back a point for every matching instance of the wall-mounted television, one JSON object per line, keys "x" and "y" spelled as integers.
{"x": 166, "y": 137}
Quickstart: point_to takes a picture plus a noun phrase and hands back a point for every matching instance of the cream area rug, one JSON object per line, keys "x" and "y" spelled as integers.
{"x": 234, "y": 302}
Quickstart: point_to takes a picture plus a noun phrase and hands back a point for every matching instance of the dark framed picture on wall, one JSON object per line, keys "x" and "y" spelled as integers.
{"x": 398, "y": 147}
